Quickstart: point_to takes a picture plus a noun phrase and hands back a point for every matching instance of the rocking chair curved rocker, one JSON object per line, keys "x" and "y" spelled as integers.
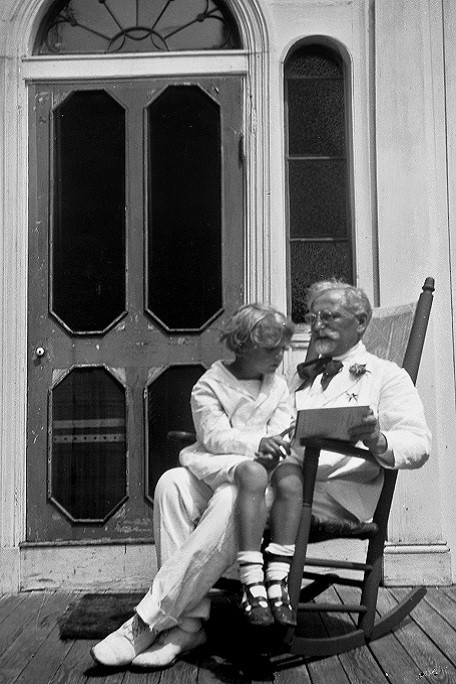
{"x": 367, "y": 629}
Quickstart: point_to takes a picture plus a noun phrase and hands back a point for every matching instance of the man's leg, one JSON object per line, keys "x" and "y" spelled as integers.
{"x": 180, "y": 500}
{"x": 179, "y": 592}
{"x": 192, "y": 560}
{"x": 196, "y": 543}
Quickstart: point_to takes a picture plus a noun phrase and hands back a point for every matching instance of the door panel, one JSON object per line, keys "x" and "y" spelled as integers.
{"x": 136, "y": 258}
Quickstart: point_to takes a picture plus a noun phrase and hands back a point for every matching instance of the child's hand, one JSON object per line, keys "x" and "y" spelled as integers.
{"x": 268, "y": 461}
{"x": 274, "y": 448}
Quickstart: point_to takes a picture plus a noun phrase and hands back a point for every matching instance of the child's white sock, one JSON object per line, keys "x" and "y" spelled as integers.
{"x": 278, "y": 561}
{"x": 251, "y": 571}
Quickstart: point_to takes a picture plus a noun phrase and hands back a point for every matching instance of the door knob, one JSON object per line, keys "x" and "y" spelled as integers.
{"x": 39, "y": 352}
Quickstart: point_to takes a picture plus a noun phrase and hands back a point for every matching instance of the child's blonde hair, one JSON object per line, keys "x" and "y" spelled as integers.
{"x": 257, "y": 325}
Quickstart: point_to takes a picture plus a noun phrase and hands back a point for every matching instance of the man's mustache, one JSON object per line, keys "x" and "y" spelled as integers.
{"x": 331, "y": 335}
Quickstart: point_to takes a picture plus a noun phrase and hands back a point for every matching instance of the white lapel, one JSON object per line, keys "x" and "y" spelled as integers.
{"x": 225, "y": 377}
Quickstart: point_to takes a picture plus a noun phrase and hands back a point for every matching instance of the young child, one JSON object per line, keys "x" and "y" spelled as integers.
{"x": 243, "y": 416}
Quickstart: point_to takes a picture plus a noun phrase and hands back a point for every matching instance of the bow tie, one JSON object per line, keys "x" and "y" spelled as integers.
{"x": 309, "y": 370}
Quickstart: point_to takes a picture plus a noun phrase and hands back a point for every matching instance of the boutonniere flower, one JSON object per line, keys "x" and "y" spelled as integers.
{"x": 358, "y": 369}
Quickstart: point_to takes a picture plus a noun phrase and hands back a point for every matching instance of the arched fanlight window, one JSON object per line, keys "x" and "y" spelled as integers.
{"x": 119, "y": 26}
{"x": 318, "y": 170}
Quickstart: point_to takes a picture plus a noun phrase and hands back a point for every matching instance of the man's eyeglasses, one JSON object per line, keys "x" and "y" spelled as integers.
{"x": 326, "y": 317}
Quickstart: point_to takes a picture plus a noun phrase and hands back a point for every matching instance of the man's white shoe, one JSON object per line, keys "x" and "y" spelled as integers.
{"x": 120, "y": 647}
{"x": 169, "y": 646}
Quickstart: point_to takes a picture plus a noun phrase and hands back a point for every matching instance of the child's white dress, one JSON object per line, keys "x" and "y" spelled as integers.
{"x": 231, "y": 417}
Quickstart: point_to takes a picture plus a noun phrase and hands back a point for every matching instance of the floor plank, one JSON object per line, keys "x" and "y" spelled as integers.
{"x": 441, "y": 601}
{"x": 450, "y": 591}
{"x": 433, "y": 624}
{"x": 24, "y": 632}
{"x": 393, "y": 659}
{"x": 431, "y": 662}
{"x": 359, "y": 664}
{"x": 422, "y": 649}
{"x": 76, "y": 665}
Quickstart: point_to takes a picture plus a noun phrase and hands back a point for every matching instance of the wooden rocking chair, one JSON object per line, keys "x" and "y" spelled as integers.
{"x": 385, "y": 340}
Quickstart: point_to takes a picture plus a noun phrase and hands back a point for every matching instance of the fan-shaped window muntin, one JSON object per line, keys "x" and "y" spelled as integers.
{"x": 132, "y": 26}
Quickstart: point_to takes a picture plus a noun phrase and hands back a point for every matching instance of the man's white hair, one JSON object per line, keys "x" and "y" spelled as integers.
{"x": 355, "y": 298}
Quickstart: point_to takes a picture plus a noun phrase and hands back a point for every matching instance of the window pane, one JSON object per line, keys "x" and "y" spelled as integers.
{"x": 88, "y": 451}
{"x": 316, "y": 117}
{"x": 314, "y": 61}
{"x": 310, "y": 182}
{"x": 312, "y": 261}
{"x": 110, "y": 26}
{"x": 168, "y": 408}
{"x": 184, "y": 195}
{"x": 88, "y": 236}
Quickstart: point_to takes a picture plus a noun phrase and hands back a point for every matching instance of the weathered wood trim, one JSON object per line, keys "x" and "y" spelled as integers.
{"x": 95, "y": 567}
{"x": 9, "y": 570}
{"x": 414, "y": 565}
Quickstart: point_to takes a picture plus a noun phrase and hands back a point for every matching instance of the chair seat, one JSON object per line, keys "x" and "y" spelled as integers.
{"x": 322, "y": 530}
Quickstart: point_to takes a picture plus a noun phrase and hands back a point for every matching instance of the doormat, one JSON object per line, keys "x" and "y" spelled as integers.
{"x": 94, "y": 616}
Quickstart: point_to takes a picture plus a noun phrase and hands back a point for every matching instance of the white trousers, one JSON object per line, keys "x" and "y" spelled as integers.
{"x": 195, "y": 541}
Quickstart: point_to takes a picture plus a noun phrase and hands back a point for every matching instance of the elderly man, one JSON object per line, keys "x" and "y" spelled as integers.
{"x": 395, "y": 429}
{"x": 194, "y": 527}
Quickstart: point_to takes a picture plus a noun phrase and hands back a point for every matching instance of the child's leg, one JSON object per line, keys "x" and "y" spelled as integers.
{"x": 286, "y": 509}
{"x": 251, "y": 479}
{"x": 285, "y": 517}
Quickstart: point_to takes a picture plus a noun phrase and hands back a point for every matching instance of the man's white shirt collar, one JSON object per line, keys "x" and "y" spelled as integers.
{"x": 351, "y": 353}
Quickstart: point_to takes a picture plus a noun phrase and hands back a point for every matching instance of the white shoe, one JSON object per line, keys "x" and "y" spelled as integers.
{"x": 120, "y": 647}
{"x": 169, "y": 646}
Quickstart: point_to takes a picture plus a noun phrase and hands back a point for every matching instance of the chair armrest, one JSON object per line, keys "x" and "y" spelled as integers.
{"x": 185, "y": 438}
{"x": 338, "y": 446}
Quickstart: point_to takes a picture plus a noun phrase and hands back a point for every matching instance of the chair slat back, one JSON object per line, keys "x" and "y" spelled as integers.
{"x": 388, "y": 333}
{"x": 398, "y": 333}
{"x": 410, "y": 362}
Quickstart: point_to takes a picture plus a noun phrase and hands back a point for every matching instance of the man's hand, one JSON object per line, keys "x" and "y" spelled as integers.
{"x": 368, "y": 432}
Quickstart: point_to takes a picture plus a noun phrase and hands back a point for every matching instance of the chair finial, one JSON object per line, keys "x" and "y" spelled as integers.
{"x": 429, "y": 284}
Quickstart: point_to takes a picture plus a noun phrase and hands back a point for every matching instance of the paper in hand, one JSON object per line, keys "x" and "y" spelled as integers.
{"x": 329, "y": 422}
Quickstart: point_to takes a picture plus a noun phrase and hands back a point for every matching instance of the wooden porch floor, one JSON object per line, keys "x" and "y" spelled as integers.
{"x": 423, "y": 649}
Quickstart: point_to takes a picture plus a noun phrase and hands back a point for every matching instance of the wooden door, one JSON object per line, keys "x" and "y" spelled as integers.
{"x": 136, "y": 258}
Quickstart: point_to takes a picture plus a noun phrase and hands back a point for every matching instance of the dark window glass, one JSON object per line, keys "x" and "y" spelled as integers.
{"x": 311, "y": 261}
{"x": 320, "y": 229}
{"x": 168, "y": 408}
{"x": 88, "y": 446}
{"x": 309, "y": 180}
{"x": 88, "y": 235}
{"x": 316, "y": 117}
{"x": 184, "y": 198}
{"x": 111, "y": 26}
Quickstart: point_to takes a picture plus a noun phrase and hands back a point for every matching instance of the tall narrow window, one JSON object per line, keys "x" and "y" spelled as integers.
{"x": 319, "y": 211}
